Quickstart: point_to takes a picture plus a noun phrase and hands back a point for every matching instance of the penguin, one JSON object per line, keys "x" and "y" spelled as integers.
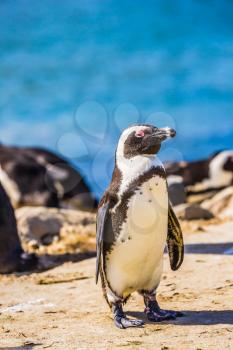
{"x": 216, "y": 172}
{"x": 38, "y": 177}
{"x": 134, "y": 222}
{"x": 12, "y": 256}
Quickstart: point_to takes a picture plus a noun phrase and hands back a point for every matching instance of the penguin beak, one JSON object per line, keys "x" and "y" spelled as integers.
{"x": 164, "y": 133}
{"x": 151, "y": 143}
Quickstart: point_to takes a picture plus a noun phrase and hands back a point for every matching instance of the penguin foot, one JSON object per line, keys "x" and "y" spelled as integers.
{"x": 175, "y": 314}
{"x": 155, "y": 314}
{"x": 160, "y": 316}
{"x": 124, "y": 322}
{"x": 121, "y": 321}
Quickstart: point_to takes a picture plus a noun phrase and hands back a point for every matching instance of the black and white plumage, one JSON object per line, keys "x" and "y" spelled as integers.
{"x": 215, "y": 172}
{"x": 38, "y": 177}
{"x": 134, "y": 221}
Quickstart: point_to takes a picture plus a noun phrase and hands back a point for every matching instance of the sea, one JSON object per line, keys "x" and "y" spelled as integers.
{"x": 75, "y": 73}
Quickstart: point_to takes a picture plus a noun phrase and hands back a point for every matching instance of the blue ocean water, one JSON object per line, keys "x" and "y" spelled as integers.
{"x": 74, "y": 73}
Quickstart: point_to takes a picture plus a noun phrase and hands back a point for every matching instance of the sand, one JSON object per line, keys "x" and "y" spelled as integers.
{"x": 63, "y": 308}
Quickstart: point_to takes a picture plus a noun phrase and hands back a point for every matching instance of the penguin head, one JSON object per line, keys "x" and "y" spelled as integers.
{"x": 142, "y": 140}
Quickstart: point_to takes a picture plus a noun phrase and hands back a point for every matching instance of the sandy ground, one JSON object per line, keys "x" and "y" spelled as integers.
{"x": 63, "y": 309}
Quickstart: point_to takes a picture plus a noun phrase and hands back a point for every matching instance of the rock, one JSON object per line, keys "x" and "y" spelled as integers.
{"x": 176, "y": 190}
{"x": 12, "y": 256}
{"x": 192, "y": 212}
{"x": 198, "y": 197}
{"x": 52, "y": 230}
{"x": 35, "y": 223}
{"x": 37, "y": 177}
{"x": 221, "y": 204}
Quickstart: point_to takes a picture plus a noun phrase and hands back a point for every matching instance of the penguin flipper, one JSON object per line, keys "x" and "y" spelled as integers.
{"x": 175, "y": 243}
{"x": 100, "y": 228}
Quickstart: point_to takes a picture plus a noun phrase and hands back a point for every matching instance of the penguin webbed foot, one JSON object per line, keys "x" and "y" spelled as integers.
{"x": 124, "y": 322}
{"x": 155, "y": 314}
{"x": 121, "y": 321}
{"x": 173, "y": 313}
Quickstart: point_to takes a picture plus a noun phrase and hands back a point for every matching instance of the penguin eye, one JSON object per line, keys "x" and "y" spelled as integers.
{"x": 139, "y": 134}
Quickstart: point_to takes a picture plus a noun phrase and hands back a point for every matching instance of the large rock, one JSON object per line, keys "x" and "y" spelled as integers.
{"x": 54, "y": 230}
{"x": 192, "y": 212}
{"x": 12, "y": 256}
{"x": 37, "y": 177}
{"x": 176, "y": 190}
{"x": 221, "y": 204}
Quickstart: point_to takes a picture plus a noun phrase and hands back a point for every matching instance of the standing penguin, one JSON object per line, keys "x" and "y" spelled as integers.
{"x": 134, "y": 221}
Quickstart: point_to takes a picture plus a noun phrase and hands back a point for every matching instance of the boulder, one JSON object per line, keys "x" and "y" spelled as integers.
{"x": 52, "y": 230}
{"x": 176, "y": 190}
{"x": 221, "y": 204}
{"x": 192, "y": 212}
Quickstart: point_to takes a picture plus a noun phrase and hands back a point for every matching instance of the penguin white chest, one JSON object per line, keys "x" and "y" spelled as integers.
{"x": 136, "y": 260}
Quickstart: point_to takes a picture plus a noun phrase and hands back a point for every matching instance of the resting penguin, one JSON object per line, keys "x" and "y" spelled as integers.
{"x": 216, "y": 172}
{"x": 134, "y": 221}
{"x": 38, "y": 177}
{"x": 12, "y": 256}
